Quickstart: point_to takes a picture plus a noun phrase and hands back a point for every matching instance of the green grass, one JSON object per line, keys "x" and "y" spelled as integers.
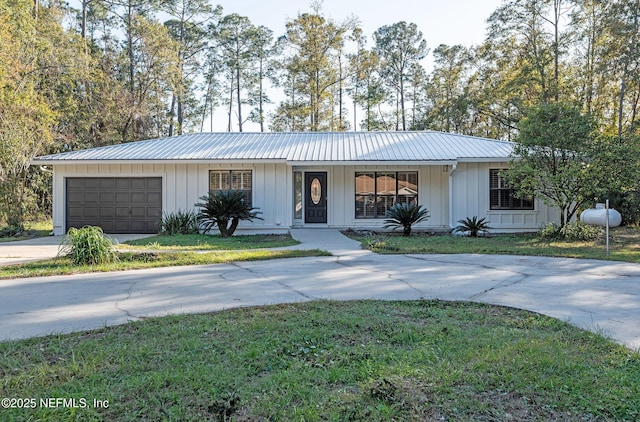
{"x": 34, "y": 229}
{"x": 210, "y": 242}
{"x": 624, "y": 245}
{"x": 360, "y": 361}
{"x": 134, "y": 261}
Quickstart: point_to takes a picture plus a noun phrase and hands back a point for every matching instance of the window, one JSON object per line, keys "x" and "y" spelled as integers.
{"x": 297, "y": 195}
{"x": 502, "y": 197}
{"x": 225, "y": 180}
{"x": 376, "y": 192}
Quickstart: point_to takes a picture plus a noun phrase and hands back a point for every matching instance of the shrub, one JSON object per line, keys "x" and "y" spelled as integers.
{"x": 12, "y": 230}
{"x": 473, "y": 226}
{"x": 181, "y": 222}
{"x": 88, "y": 246}
{"x": 572, "y": 231}
{"x": 405, "y": 215}
{"x": 225, "y": 209}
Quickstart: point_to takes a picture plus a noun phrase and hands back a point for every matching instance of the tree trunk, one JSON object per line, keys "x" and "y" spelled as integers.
{"x": 172, "y": 111}
{"x": 238, "y": 86}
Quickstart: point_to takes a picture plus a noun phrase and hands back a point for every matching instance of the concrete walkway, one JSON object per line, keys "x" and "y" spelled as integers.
{"x": 601, "y": 296}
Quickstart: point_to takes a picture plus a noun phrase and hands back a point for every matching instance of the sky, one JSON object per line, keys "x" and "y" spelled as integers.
{"x": 441, "y": 21}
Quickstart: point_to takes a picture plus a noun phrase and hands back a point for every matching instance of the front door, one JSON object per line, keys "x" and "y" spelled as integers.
{"x": 315, "y": 204}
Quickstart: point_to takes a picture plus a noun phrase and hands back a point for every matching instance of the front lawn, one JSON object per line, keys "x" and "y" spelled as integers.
{"x": 359, "y": 361}
{"x": 140, "y": 260}
{"x": 193, "y": 242}
{"x": 33, "y": 229}
{"x": 624, "y": 245}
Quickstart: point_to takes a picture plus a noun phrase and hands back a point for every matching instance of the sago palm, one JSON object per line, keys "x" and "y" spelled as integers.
{"x": 225, "y": 209}
{"x": 405, "y": 215}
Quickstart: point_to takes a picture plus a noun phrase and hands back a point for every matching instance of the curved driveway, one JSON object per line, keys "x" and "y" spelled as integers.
{"x": 601, "y": 296}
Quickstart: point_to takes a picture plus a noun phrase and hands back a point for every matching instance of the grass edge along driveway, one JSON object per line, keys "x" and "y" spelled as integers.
{"x": 325, "y": 360}
{"x": 168, "y": 251}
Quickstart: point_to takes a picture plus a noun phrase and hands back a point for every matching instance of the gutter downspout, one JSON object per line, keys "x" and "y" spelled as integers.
{"x": 454, "y": 166}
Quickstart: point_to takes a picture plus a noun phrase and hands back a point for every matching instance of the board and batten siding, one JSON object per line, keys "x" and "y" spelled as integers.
{"x": 184, "y": 184}
{"x": 449, "y": 194}
{"x": 432, "y": 195}
{"x": 470, "y": 197}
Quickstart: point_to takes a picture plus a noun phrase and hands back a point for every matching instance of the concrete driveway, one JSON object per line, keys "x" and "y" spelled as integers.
{"x": 600, "y": 296}
{"x": 43, "y": 248}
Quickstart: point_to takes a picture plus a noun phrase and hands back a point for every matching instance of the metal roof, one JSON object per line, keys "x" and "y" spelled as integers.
{"x": 298, "y": 147}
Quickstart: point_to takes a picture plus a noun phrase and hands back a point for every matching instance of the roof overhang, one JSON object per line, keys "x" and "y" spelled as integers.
{"x": 485, "y": 160}
{"x": 38, "y": 162}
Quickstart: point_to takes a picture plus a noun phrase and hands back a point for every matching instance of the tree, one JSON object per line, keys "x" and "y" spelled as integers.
{"x": 554, "y": 157}
{"x": 367, "y": 88}
{"x": 264, "y": 49}
{"x": 534, "y": 26}
{"x": 312, "y": 69}
{"x": 447, "y": 89}
{"x": 39, "y": 66}
{"x": 156, "y": 74}
{"x": 237, "y": 39}
{"x": 187, "y": 28}
{"x": 624, "y": 28}
{"x": 399, "y": 46}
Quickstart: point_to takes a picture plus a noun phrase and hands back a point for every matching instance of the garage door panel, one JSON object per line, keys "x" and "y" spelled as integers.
{"x": 154, "y": 213}
{"x": 91, "y": 198}
{"x": 104, "y": 183}
{"x": 154, "y": 184}
{"x": 121, "y": 212}
{"x": 107, "y": 197}
{"x": 154, "y": 198}
{"x": 123, "y": 198}
{"x": 138, "y": 198}
{"x": 121, "y": 183}
{"x": 138, "y": 212}
{"x": 91, "y": 212}
{"x": 117, "y": 204}
{"x": 75, "y": 212}
{"x": 107, "y": 212}
{"x": 139, "y": 184}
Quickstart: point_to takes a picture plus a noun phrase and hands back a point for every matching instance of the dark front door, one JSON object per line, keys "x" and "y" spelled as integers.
{"x": 315, "y": 204}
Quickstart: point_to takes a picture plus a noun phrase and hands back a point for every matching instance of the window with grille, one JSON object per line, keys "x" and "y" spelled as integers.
{"x": 502, "y": 196}
{"x": 225, "y": 180}
{"x": 376, "y": 192}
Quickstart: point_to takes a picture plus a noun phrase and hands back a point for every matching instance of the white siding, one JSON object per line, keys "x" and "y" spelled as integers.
{"x": 432, "y": 194}
{"x": 470, "y": 197}
{"x": 449, "y": 195}
{"x": 184, "y": 184}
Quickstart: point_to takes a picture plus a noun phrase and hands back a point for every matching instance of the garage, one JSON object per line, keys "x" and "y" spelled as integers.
{"x": 116, "y": 204}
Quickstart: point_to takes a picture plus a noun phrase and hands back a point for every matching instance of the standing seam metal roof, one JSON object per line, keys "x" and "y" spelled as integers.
{"x": 299, "y": 147}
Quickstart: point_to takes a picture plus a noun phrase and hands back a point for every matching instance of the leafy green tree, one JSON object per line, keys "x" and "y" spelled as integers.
{"x": 447, "y": 90}
{"x": 367, "y": 88}
{"x": 623, "y": 24}
{"x": 37, "y": 59}
{"x": 312, "y": 70}
{"x": 187, "y": 28}
{"x": 237, "y": 39}
{"x": 263, "y": 69}
{"x": 555, "y": 158}
{"x": 399, "y": 46}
